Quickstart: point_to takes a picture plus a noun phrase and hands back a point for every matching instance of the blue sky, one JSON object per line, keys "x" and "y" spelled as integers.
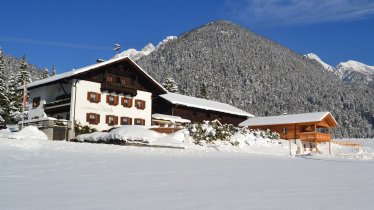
{"x": 71, "y": 34}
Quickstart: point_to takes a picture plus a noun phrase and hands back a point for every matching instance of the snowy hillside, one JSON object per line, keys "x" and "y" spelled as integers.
{"x": 225, "y": 62}
{"x": 43, "y": 174}
{"x": 135, "y": 54}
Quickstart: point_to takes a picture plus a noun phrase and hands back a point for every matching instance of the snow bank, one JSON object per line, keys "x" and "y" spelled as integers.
{"x": 126, "y": 133}
{"x": 29, "y": 132}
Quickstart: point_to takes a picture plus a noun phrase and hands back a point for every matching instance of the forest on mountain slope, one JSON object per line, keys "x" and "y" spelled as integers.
{"x": 225, "y": 62}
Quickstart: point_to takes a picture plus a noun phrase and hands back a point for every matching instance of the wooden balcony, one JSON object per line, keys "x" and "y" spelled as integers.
{"x": 118, "y": 88}
{"x": 315, "y": 137}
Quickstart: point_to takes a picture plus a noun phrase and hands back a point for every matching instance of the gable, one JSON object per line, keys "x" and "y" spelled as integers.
{"x": 119, "y": 67}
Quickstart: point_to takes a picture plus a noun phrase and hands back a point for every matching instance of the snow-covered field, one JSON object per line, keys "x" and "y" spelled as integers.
{"x": 42, "y": 174}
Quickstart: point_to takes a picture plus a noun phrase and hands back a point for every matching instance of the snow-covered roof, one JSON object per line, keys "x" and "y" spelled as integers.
{"x": 85, "y": 69}
{"x": 170, "y": 118}
{"x": 287, "y": 119}
{"x": 200, "y": 103}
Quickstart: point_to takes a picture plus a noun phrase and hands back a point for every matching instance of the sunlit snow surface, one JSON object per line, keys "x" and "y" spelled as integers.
{"x": 42, "y": 174}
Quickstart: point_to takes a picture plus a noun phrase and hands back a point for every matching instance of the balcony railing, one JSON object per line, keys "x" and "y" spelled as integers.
{"x": 61, "y": 102}
{"x": 314, "y": 137}
{"x": 118, "y": 88}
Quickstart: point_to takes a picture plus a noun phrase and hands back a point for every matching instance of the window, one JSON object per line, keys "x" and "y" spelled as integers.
{"x": 139, "y": 121}
{"x": 109, "y": 79}
{"x": 140, "y": 104}
{"x": 111, "y": 120}
{"x": 93, "y": 97}
{"x": 112, "y": 100}
{"x": 126, "y": 121}
{"x": 35, "y": 102}
{"x": 126, "y": 102}
{"x": 285, "y": 130}
{"x": 123, "y": 81}
{"x": 93, "y": 118}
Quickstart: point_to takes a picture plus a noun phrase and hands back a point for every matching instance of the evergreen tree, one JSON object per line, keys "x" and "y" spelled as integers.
{"x": 170, "y": 85}
{"x": 203, "y": 91}
{"x": 22, "y": 75}
{"x": 53, "y": 72}
{"x": 45, "y": 73}
{"x": 12, "y": 95}
{"x": 4, "y": 100}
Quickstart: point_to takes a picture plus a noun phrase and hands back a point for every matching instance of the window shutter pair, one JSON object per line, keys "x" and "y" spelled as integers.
{"x": 115, "y": 119}
{"x": 115, "y": 100}
{"x": 129, "y": 120}
{"x": 142, "y": 104}
{"x": 139, "y": 121}
{"x": 129, "y": 102}
{"x": 98, "y": 97}
{"x": 97, "y": 118}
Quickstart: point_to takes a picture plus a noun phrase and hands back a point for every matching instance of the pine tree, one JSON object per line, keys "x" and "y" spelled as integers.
{"x": 53, "y": 72}
{"x": 12, "y": 94}
{"x": 170, "y": 85}
{"x": 4, "y": 100}
{"x": 203, "y": 91}
{"x": 45, "y": 73}
{"x": 22, "y": 75}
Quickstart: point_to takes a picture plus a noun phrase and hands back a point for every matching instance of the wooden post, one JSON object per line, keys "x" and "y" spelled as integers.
{"x": 289, "y": 145}
{"x": 329, "y": 132}
{"x": 330, "y": 147}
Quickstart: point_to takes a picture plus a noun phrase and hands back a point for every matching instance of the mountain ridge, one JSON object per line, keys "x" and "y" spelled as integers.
{"x": 225, "y": 62}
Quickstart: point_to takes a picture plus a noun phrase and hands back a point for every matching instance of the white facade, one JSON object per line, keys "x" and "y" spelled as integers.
{"x": 83, "y": 106}
{"x": 80, "y": 105}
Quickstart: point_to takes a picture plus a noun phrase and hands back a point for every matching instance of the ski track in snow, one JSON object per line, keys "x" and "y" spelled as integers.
{"x": 41, "y": 174}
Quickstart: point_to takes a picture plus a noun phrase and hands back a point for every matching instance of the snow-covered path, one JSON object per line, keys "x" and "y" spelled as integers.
{"x": 61, "y": 175}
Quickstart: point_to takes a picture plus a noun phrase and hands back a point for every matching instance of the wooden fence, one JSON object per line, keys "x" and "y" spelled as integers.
{"x": 166, "y": 130}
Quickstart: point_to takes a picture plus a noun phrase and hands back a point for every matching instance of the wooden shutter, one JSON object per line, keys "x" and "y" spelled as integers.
{"x": 97, "y": 119}
{"x": 130, "y": 102}
{"x": 107, "y": 99}
{"x": 88, "y": 96}
{"x": 143, "y": 121}
{"x": 129, "y": 121}
{"x": 143, "y": 104}
{"x": 116, "y": 100}
{"x": 98, "y": 97}
{"x": 106, "y": 119}
{"x": 115, "y": 120}
{"x": 88, "y": 117}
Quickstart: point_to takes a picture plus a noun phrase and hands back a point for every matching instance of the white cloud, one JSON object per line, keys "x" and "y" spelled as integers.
{"x": 291, "y": 12}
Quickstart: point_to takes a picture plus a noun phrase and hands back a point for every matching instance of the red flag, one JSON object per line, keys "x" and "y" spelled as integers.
{"x": 24, "y": 93}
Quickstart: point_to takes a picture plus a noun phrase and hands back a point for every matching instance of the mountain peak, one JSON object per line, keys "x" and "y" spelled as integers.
{"x": 319, "y": 60}
{"x": 356, "y": 66}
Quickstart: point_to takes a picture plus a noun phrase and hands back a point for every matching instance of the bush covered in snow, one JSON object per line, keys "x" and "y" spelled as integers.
{"x": 80, "y": 129}
{"x": 210, "y": 131}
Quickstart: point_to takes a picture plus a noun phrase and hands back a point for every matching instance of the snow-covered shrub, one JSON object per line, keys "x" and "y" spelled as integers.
{"x": 208, "y": 132}
{"x": 80, "y": 129}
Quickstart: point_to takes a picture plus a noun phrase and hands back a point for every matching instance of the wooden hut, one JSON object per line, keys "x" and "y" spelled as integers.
{"x": 310, "y": 128}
